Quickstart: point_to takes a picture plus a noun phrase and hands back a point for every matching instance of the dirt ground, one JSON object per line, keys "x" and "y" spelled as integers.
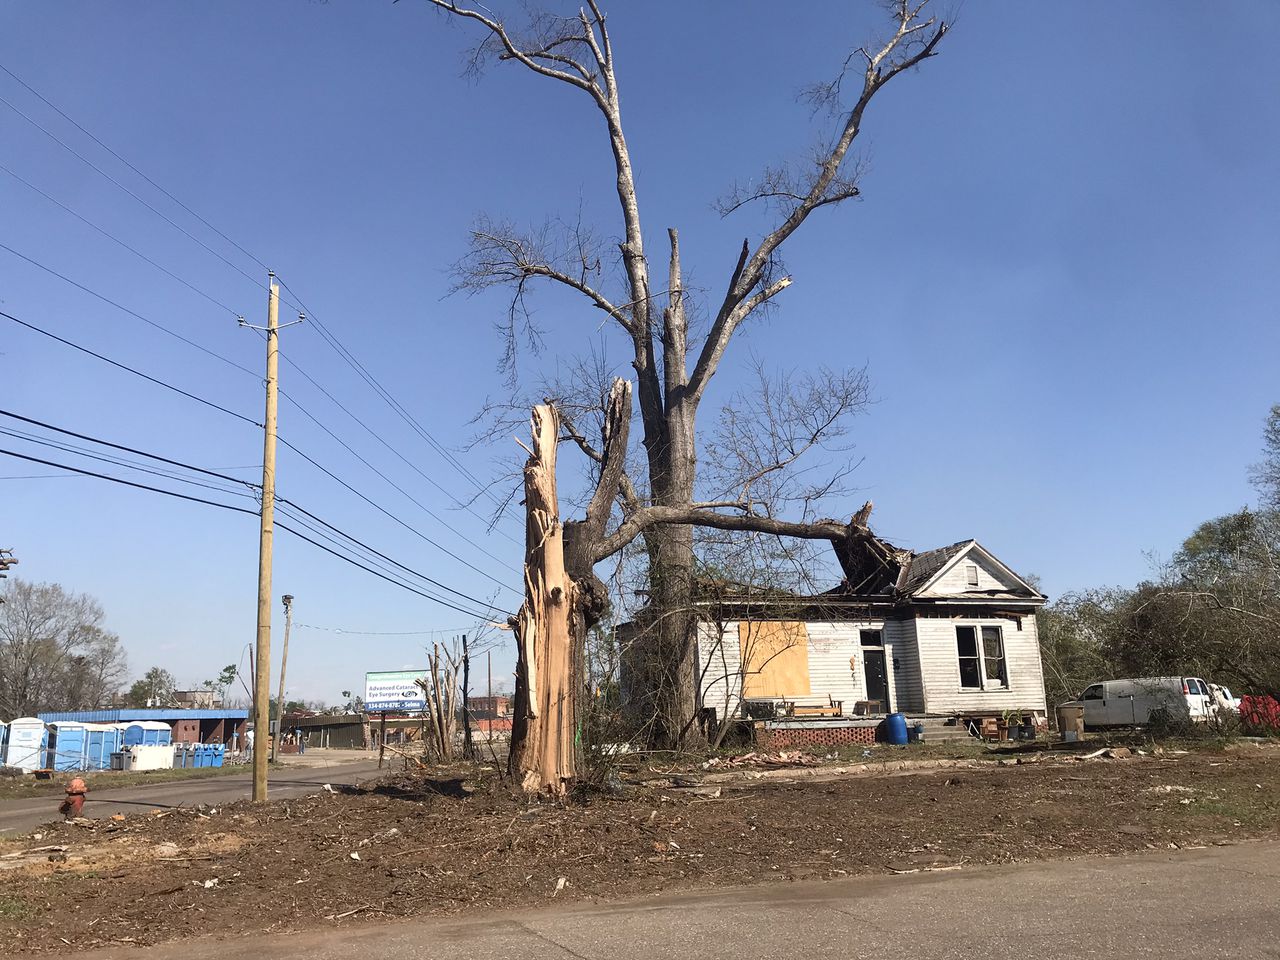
{"x": 412, "y": 846}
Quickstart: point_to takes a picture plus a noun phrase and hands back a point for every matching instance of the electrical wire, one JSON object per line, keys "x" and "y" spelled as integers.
{"x": 381, "y": 633}
{"x": 71, "y": 448}
{"x": 129, "y": 369}
{"x": 110, "y": 236}
{"x": 87, "y": 133}
{"x": 282, "y": 440}
{"x": 392, "y": 516}
{"x": 133, "y": 313}
{"x": 80, "y": 156}
{"x": 329, "y": 337}
{"x": 117, "y": 446}
{"x": 118, "y": 461}
{"x": 405, "y": 493}
{"x": 236, "y": 509}
{"x": 338, "y": 347}
{"x": 382, "y": 440}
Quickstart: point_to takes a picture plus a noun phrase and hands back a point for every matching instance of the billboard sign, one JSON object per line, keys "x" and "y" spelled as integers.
{"x": 394, "y": 690}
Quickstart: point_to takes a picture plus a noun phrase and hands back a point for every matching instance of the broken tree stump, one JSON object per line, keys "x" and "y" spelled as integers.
{"x": 542, "y": 742}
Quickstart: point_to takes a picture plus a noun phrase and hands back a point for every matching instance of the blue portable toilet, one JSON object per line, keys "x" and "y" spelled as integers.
{"x": 27, "y": 744}
{"x": 216, "y": 754}
{"x": 147, "y": 733}
{"x": 68, "y": 741}
{"x": 101, "y": 740}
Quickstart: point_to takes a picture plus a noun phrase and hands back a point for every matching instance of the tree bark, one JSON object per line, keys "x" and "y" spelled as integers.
{"x": 542, "y": 741}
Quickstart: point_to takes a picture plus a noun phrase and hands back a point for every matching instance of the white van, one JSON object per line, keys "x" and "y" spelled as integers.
{"x": 1126, "y": 703}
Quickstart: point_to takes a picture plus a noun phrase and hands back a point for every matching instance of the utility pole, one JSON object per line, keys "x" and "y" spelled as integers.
{"x": 468, "y": 750}
{"x": 287, "y": 600}
{"x": 261, "y": 678}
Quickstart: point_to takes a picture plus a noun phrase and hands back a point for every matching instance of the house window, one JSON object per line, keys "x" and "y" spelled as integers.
{"x": 971, "y": 574}
{"x": 873, "y": 638}
{"x": 993, "y": 657}
{"x": 982, "y": 664}
{"x": 970, "y": 662}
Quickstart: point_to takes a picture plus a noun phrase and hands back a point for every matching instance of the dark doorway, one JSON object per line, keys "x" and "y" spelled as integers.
{"x": 877, "y": 678}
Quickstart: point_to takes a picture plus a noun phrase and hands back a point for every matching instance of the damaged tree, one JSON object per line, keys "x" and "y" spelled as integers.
{"x": 673, "y": 365}
{"x": 564, "y": 599}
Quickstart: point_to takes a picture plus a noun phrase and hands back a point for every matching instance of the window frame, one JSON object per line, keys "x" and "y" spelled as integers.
{"x": 985, "y": 684}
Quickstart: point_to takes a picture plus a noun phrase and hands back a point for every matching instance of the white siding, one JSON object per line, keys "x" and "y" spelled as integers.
{"x": 720, "y": 663}
{"x": 836, "y": 667}
{"x": 955, "y": 580}
{"x": 940, "y": 667}
{"x": 904, "y": 666}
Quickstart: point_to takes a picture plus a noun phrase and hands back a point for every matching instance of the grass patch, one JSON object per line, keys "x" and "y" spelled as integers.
{"x": 14, "y": 908}
{"x": 15, "y": 788}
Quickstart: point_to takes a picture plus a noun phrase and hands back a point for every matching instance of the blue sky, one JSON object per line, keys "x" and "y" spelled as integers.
{"x": 1061, "y": 277}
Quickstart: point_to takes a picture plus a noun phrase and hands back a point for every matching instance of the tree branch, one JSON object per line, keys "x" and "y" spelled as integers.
{"x": 825, "y": 189}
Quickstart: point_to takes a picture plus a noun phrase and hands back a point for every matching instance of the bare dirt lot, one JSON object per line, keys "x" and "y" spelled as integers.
{"x": 412, "y": 846}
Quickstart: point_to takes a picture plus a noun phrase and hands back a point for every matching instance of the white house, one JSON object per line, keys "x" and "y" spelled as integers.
{"x": 946, "y": 633}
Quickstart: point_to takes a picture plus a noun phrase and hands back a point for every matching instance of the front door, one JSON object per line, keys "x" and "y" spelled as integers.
{"x": 877, "y": 678}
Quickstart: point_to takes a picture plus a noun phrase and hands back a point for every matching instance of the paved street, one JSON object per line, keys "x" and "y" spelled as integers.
{"x": 1219, "y": 902}
{"x": 289, "y": 781}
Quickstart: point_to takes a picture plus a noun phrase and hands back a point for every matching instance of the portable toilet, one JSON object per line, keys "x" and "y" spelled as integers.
{"x": 27, "y": 744}
{"x": 67, "y": 745}
{"x": 101, "y": 740}
{"x": 147, "y": 733}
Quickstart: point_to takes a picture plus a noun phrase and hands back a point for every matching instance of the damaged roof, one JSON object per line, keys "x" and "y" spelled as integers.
{"x": 873, "y": 567}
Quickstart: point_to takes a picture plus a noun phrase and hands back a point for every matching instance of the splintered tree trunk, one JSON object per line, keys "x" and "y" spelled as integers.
{"x": 542, "y": 741}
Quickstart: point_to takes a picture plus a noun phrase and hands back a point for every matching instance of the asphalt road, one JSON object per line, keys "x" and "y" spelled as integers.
{"x": 30, "y": 812}
{"x": 1220, "y": 902}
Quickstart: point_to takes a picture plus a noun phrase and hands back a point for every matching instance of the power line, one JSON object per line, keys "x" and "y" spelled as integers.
{"x": 117, "y": 446}
{"x": 129, "y": 369}
{"x": 133, "y": 313}
{"x": 117, "y": 461}
{"x": 318, "y": 530}
{"x": 110, "y": 236}
{"x": 329, "y": 337}
{"x": 392, "y": 516}
{"x": 80, "y": 156}
{"x": 383, "y": 556}
{"x": 373, "y": 382}
{"x": 382, "y": 633}
{"x": 301, "y": 453}
{"x": 382, "y": 440}
{"x": 88, "y": 134}
{"x": 236, "y": 509}
{"x": 351, "y": 450}
{"x": 71, "y": 448}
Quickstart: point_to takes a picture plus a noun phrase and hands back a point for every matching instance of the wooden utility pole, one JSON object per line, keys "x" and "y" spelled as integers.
{"x": 284, "y": 661}
{"x": 468, "y": 751}
{"x": 261, "y": 686}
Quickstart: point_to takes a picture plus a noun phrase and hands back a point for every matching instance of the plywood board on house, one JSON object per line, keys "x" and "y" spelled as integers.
{"x": 775, "y": 658}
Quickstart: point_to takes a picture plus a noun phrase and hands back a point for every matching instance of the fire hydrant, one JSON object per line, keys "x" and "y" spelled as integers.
{"x": 73, "y": 806}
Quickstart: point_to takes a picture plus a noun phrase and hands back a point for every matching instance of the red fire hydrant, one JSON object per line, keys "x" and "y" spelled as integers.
{"x": 73, "y": 806}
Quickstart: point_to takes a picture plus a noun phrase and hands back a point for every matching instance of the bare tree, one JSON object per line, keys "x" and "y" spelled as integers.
{"x": 54, "y": 653}
{"x": 652, "y": 309}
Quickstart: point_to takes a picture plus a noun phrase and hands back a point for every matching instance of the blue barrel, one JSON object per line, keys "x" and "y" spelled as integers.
{"x": 895, "y": 728}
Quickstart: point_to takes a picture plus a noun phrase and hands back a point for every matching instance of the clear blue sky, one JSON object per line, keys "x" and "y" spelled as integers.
{"x": 1062, "y": 277}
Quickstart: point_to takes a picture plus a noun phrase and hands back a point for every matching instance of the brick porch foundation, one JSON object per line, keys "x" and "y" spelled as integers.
{"x": 827, "y": 734}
